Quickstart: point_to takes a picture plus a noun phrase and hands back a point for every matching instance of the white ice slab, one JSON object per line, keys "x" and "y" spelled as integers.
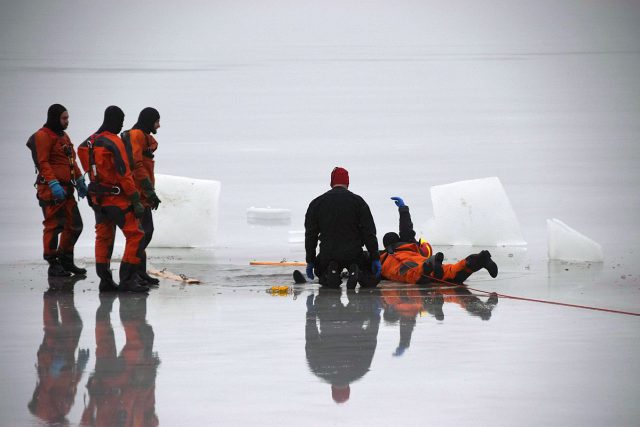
{"x": 567, "y": 244}
{"x": 188, "y": 214}
{"x": 475, "y": 212}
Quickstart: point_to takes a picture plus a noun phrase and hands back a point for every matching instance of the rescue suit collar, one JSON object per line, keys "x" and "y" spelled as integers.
{"x": 53, "y": 119}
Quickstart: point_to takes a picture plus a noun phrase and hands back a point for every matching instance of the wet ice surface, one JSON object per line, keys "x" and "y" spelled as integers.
{"x": 229, "y": 352}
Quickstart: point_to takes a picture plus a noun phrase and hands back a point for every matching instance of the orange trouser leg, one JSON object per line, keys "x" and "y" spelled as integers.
{"x": 105, "y": 236}
{"x": 458, "y": 272}
{"x": 133, "y": 248}
{"x": 72, "y": 227}
{"x": 107, "y": 218}
{"x": 62, "y": 219}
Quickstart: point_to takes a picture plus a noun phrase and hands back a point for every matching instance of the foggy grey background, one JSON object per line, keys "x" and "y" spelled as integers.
{"x": 269, "y": 96}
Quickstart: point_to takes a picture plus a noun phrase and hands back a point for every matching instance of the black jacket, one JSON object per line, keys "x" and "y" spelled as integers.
{"x": 342, "y": 221}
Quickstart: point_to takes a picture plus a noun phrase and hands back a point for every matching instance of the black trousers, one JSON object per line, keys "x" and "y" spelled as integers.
{"x": 146, "y": 222}
{"x": 366, "y": 278}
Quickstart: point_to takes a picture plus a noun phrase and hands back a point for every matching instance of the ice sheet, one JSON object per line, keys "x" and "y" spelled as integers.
{"x": 474, "y": 212}
{"x": 567, "y": 244}
{"x": 188, "y": 214}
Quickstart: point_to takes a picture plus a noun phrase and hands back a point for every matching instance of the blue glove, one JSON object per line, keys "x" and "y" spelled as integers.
{"x": 57, "y": 190}
{"x": 399, "y": 201}
{"x": 81, "y": 187}
{"x": 310, "y": 271}
{"x": 376, "y": 268}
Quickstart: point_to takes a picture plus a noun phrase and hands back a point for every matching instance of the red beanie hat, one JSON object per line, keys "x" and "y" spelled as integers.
{"x": 339, "y": 176}
{"x": 340, "y": 393}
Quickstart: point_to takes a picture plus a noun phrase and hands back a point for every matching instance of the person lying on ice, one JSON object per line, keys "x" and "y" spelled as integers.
{"x": 406, "y": 260}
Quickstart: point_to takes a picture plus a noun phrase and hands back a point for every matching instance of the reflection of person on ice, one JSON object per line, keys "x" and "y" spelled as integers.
{"x": 58, "y": 369}
{"x": 341, "y": 340}
{"x": 122, "y": 387}
{"x": 406, "y": 260}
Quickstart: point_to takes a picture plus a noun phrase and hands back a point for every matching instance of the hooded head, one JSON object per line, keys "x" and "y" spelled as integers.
{"x": 147, "y": 120}
{"x": 339, "y": 176}
{"x": 390, "y": 239}
{"x": 55, "y": 120}
{"x": 113, "y": 119}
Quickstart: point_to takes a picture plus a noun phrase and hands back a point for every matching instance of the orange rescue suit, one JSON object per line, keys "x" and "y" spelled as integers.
{"x": 142, "y": 146}
{"x": 57, "y": 161}
{"x": 111, "y": 189}
{"x": 405, "y": 263}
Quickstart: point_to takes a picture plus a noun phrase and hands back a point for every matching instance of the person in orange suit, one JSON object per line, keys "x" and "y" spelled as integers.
{"x": 406, "y": 260}
{"x": 143, "y": 145}
{"x": 55, "y": 160}
{"x": 116, "y": 202}
{"x": 122, "y": 388}
{"x": 58, "y": 369}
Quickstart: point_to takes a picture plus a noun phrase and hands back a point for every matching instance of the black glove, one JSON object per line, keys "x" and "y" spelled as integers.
{"x": 150, "y": 193}
{"x": 138, "y": 209}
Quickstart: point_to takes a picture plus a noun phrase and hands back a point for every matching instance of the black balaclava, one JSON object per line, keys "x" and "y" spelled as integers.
{"x": 113, "y": 119}
{"x": 53, "y": 119}
{"x": 147, "y": 119}
{"x": 390, "y": 239}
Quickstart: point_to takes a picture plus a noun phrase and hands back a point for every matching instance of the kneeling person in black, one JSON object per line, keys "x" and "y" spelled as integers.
{"x": 342, "y": 222}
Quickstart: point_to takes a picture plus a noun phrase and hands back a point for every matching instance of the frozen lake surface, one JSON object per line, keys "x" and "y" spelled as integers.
{"x": 228, "y": 352}
{"x": 560, "y": 130}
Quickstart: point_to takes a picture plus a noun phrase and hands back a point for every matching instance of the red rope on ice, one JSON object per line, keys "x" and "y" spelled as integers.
{"x": 586, "y": 307}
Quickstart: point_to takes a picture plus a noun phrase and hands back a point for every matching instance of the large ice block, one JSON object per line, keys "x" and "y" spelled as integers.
{"x": 475, "y": 212}
{"x": 188, "y": 214}
{"x": 567, "y": 244}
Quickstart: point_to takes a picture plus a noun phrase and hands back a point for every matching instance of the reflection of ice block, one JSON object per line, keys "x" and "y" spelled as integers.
{"x": 188, "y": 214}
{"x": 567, "y": 244}
{"x": 475, "y": 212}
{"x": 268, "y": 216}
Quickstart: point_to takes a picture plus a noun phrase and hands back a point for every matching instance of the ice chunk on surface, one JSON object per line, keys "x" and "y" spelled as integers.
{"x": 567, "y": 244}
{"x": 474, "y": 212}
{"x": 268, "y": 216}
{"x": 188, "y": 214}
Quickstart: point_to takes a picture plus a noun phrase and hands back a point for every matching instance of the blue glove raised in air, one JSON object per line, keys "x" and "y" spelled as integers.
{"x": 399, "y": 201}
{"x": 81, "y": 187}
{"x": 310, "y": 271}
{"x": 57, "y": 190}
{"x": 376, "y": 268}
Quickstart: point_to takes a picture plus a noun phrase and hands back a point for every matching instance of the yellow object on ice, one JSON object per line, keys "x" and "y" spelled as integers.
{"x": 279, "y": 290}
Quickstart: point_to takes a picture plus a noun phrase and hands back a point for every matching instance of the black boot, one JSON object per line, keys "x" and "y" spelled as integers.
{"x": 144, "y": 276}
{"x": 56, "y": 269}
{"x": 332, "y": 277}
{"x": 482, "y": 260}
{"x": 298, "y": 277}
{"x": 67, "y": 262}
{"x": 106, "y": 280}
{"x": 129, "y": 279}
{"x": 352, "y": 278}
{"x": 434, "y": 265}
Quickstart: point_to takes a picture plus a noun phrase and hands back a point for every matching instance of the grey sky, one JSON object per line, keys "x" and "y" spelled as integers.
{"x": 203, "y": 29}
